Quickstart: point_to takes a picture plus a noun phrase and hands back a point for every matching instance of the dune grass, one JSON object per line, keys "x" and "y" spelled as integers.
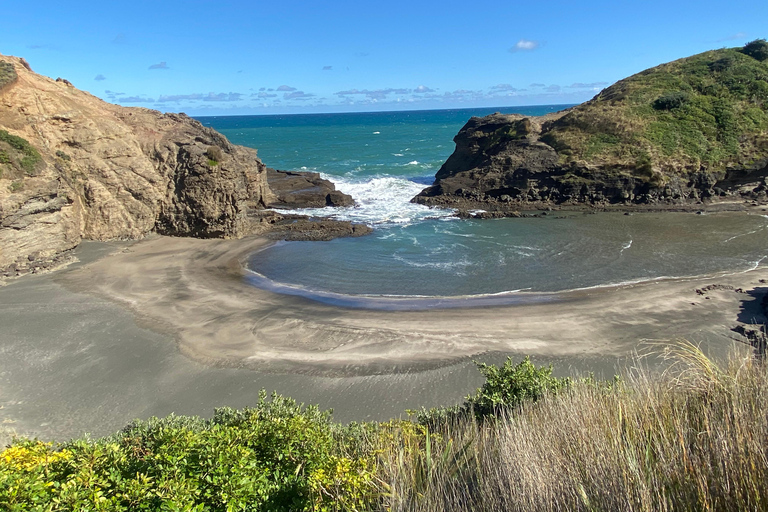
{"x": 693, "y": 438}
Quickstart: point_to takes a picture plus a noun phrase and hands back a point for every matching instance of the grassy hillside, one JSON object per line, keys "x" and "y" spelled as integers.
{"x": 692, "y": 438}
{"x": 708, "y": 112}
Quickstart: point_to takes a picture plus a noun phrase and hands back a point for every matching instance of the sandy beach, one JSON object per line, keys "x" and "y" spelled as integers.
{"x": 197, "y": 291}
{"x": 172, "y": 325}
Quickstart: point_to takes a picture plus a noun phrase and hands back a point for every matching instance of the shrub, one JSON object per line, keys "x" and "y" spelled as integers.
{"x": 63, "y": 155}
{"x": 214, "y": 154}
{"x": 670, "y": 101}
{"x": 7, "y": 74}
{"x": 506, "y": 387}
{"x": 722, "y": 64}
{"x": 757, "y": 49}
{"x": 30, "y": 158}
{"x": 16, "y": 186}
{"x": 511, "y": 385}
{"x": 277, "y": 456}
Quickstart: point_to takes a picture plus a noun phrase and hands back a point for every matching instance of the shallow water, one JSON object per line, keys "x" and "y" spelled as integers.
{"x": 484, "y": 257}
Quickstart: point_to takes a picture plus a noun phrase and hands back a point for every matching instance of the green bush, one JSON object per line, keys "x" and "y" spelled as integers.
{"x": 277, "y": 455}
{"x": 670, "y": 101}
{"x": 27, "y": 156}
{"x": 506, "y": 387}
{"x": 512, "y": 385}
{"x": 63, "y": 155}
{"x": 7, "y": 74}
{"x": 757, "y": 49}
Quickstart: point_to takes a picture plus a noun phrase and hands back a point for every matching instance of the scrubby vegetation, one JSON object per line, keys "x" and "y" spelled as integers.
{"x": 691, "y": 438}
{"x": 18, "y": 156}
{"x": 757, "y": 49}
{"x": 7, "y": 74}
{"x": 214, "y": 155}
{"x": 707, "y": 111}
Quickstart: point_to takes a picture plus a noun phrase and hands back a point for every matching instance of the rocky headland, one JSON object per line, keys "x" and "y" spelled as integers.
{"x": 688, "y": 134}
{"x": 74, "y": 167}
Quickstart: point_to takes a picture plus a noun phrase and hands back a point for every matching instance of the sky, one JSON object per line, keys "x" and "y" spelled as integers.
{"x": 236, "y": 57}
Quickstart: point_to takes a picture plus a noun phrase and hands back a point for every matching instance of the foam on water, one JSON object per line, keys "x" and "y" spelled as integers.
{"x": 380, "y": 201}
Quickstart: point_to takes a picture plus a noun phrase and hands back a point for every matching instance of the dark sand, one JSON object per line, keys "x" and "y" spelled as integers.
{"x": 171, "y": 325}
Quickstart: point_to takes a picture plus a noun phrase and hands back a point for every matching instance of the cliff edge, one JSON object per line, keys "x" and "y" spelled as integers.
{"x": 74, "y": 167}
{"x": 689, "y": 132}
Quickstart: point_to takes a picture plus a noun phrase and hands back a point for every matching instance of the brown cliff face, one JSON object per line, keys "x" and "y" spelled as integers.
{"x": 106, "y": 172}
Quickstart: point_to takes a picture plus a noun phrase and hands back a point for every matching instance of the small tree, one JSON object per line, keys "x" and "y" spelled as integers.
{"x": 757, "y": 49}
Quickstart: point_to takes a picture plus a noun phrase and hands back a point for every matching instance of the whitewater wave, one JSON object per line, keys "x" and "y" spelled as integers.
{"x": 380, "y": 201}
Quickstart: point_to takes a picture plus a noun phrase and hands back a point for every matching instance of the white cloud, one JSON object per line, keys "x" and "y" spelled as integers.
{"x": 524, "y": 45}
{"x": 285, "y": 88}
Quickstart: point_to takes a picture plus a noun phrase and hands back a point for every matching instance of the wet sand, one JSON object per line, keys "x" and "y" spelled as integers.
{"x": 172, "y": 325}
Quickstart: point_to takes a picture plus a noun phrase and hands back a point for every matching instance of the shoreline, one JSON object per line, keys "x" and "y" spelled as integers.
{"x": 198, "y": 291}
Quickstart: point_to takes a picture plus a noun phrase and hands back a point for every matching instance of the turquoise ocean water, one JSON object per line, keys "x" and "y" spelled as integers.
{"x": 383, "y": 159}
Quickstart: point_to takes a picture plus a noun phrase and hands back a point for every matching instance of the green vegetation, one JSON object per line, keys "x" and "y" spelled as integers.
{"x": 7, "y": 74}
{"x": 691, "y": 438}
{"x": 757, "y": 49}
{"x": 709, "y": 110}
{"x": 18, "y": 154}
{"x": 16, "y": 186}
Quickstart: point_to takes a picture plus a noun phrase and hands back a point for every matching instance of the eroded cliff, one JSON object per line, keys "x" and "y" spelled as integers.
{"x": 74, "y": 167}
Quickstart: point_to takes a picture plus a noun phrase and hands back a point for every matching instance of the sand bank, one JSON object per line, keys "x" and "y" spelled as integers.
{"x": 197, "y": 291}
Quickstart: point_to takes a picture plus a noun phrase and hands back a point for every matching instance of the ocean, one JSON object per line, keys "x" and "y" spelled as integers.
{"x": 383, "y": 159}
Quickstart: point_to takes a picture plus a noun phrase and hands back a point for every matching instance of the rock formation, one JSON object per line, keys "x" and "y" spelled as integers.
{"x": 684, "y": 133}
{"x": 99, "y": 171}
{"x": 74, "y": 167}
{"x": 303, "y": 190}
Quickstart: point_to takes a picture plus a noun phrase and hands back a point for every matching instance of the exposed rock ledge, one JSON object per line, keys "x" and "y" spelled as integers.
{"x": 293, "y": 189}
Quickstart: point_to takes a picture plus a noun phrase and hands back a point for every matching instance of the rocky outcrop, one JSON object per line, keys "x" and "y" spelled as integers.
{"x": 293, "y": 189}
{"x": 634, "y": 145}
{"x": 105, "y": 172}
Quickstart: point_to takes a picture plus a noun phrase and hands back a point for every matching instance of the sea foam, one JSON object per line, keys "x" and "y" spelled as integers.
{"x": 380, "y": 201}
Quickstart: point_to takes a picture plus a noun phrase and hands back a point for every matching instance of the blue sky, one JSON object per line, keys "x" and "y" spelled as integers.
{"x": 238, "y": 57}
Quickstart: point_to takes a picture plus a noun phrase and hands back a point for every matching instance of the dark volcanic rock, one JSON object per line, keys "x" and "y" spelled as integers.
{"x": 304, "y": 190}
{"x": 300, "y": 227}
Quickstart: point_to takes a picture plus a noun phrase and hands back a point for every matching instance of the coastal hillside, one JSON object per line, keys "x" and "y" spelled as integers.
{"x": 74, "y": 167}
{"x": 690, "y": 131}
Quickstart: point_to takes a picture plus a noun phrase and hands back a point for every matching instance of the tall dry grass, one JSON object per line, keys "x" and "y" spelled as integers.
{"x": 694, "y": 437}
